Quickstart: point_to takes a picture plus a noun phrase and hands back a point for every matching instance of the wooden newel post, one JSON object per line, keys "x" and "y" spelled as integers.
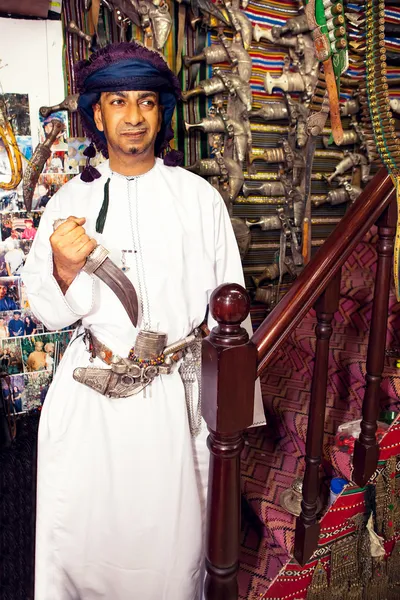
{"x": 228, "y": 376}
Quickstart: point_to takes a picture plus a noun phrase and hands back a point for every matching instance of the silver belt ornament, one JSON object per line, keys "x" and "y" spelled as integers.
{"x": 121, "y": 380}
{"x": 126, "y": 378}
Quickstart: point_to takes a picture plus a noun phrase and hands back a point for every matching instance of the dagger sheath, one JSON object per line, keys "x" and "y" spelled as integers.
{"x": 334, "y": 107}
{"x": 37, "y": 162}
{"x": 122, "y": 287}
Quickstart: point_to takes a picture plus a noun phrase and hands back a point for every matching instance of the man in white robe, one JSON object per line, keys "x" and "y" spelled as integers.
{"x": 121, "y": 482}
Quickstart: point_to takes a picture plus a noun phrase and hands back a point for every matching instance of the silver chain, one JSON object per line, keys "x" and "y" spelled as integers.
{"x": 138, "y": 253}
{"x": 190, "y": 372}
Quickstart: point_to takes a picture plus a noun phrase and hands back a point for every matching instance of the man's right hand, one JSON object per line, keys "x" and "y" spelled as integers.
{"x": 71, "y": 246}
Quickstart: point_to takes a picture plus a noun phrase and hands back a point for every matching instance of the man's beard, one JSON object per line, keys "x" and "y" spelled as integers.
{"x": 137, "y": 150}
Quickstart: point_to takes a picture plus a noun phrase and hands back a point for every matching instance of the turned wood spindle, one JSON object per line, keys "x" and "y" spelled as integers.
{"x": 228, "y": 378}
{"x": 307, "y": 527}
{"x": 366, "y": 449}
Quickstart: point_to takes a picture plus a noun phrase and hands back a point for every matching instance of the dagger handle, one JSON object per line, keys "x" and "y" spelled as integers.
{"x": 95, "y": 258}
{"x": 72, "y": 27}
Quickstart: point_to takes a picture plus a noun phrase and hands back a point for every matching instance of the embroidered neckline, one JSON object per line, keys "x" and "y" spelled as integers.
{"x": 132, "y": 177}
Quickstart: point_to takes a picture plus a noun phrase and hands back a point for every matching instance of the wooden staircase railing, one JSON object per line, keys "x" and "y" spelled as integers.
{"x": 231, "y": 361}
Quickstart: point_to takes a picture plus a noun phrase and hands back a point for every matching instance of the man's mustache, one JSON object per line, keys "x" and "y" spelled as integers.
{"x": 139, "y": 130}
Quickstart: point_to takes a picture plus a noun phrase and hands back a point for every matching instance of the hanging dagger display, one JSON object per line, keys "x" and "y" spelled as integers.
{"x": 327, "y": 23}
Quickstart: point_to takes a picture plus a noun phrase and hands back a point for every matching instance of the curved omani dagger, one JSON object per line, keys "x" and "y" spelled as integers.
{"x": 98, "y": 263}
{"x": 37, "y": 162}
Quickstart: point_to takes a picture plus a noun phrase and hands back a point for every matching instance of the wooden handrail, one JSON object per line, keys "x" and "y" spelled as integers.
{"x": 229, "y": 366}
{"x": 310, "y": 284}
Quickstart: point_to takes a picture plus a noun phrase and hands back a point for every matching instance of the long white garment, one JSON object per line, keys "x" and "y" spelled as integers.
{"x": 121, "y": 483}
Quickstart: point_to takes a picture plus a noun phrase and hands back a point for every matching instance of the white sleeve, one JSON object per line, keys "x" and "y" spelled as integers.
{"x": 228, "y": 269}
{"x": 45, "y": 297}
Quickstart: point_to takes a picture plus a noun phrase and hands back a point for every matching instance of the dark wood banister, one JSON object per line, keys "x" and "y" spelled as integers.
{"x": 324, "y": 265}
{"x": 231, "y": 360}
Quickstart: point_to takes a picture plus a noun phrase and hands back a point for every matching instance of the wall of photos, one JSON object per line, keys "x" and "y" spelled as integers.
{"x": 31, "y": 75}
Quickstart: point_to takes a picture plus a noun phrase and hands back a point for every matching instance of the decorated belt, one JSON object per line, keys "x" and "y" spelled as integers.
{"x": 128, "y": 376}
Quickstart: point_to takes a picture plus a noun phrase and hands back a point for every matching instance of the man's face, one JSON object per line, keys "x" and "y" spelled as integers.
{"x": 130, "y": 121}
{"x": 49, "y": 348}
{"x": 3, "y": 291}
{"x": 16, "y": 317}
{"x": 39, "y": 346}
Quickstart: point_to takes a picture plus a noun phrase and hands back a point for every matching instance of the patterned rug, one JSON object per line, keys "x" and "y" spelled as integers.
{"x": 336, "y": 524}
{"x": 274, "y": 456}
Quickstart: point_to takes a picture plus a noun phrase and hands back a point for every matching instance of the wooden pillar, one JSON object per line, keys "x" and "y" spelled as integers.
{"x": 307, "y": 527}
{"x": 228, "y": 375}
{"x": 366, "y": 449}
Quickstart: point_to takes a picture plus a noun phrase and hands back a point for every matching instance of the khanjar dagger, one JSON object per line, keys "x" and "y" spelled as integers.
{"x": 223, "y": 52}
{"x": 37, "y": 162}
{"x": 331, "y": 49}
{"x": 98, "y": 263}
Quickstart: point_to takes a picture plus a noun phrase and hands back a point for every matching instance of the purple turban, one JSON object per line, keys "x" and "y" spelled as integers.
{"x": 123, "y": 67}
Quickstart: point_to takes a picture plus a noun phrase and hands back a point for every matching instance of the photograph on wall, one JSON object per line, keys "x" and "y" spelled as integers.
{"x": 19, "y": 323}
{"x": 76, "y": 159}
{"x": 14, "y": 322}
{"x": 38, "y": 352}
{"x": 13, "y": 254}
{"x": 5, "y": 167}
{"x": 35, "y": 390}
{"x": 10, "y": 200}
{"x": 61, "y": 340}
{"x": 19, "y": 225}
{"x": 11, "y": 356}
{"x": 13, "y": 392}
{"x": 17, "y": 110}
{"x": 25, "y": 146}
{"x": 10, "y": 293}
{"x": 48, "y": 185}
{"x": 57, "y": 162}
{"x": 24, "y": 302}
{"x": 3, "y": 267}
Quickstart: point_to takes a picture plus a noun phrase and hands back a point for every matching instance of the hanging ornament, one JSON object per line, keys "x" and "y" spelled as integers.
{"x": 173, "y": 158}
{"x": 89, "y": 173}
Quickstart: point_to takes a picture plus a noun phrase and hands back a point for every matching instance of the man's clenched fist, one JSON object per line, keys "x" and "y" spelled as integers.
{"x": 71, "y": 246}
